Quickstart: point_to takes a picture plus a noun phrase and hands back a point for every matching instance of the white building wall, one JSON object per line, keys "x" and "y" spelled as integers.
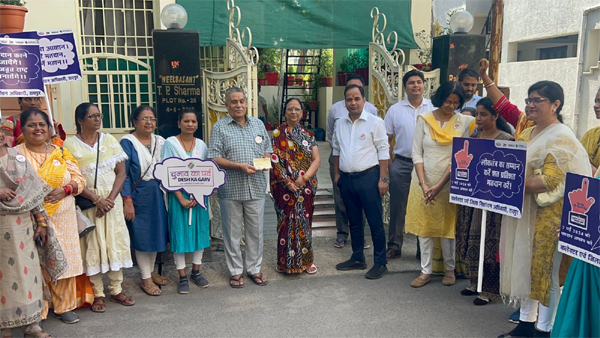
{"x": 533, "y": 20}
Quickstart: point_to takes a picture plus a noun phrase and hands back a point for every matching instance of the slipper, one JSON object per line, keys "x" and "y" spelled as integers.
{"x": 150, "y": 289}
{"x": 312, "y": 270}
{"x": 122, "y": 299}
{"x": 258, "y": 279}
{"x": 238, "y": 279}
{"x": 98, "y": 306}
{"x": 158, "y": 279}
{"x": 339, "y": 243}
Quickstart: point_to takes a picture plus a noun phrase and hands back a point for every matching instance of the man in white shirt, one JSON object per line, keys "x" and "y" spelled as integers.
{"x": 400, "y": 122}
{"x": 468, "y": 79}
{"x": 360, "y": 167}
{"x": 338, "y": 110}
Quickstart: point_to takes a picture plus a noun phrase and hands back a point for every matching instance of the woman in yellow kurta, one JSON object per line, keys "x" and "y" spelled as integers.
{"x": 430, "y": 214}
{"x": 530, "y": 261}
{"x": 591, "y": 139}
{"x": 59, "y": 169}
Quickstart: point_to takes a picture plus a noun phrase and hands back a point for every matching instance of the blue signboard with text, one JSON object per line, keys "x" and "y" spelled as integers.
{"x": 580, "y": 224}
{"x": 488, "y": 175}
{"x": 20, "y": 68}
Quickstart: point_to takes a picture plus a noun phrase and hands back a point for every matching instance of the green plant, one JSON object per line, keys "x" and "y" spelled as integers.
{"x": 425, "y": 52}
{"x": 261, "y": 73}
{"x": 344, "y": 64}
{"x": 269, "y": 59}
{"x": 326, "y": 63}
{"x": 273, "y": 111}
{"x": 356, "y": 60}
{"x": 13, "y": 2}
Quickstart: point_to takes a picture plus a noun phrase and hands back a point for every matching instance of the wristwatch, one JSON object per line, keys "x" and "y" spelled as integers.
{"x": 385, "y": 179}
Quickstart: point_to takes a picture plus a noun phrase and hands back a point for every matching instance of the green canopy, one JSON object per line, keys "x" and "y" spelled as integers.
{"x": 301, "y": 24}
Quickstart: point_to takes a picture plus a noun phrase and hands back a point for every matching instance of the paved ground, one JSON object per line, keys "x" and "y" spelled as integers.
{"x": 328, "y": 304}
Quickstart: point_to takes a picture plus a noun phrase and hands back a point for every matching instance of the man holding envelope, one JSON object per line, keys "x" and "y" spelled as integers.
{"x": 240, "y": 145}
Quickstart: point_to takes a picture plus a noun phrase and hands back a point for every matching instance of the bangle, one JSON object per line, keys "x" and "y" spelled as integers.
{"x": 67, "y": 189}
{"x": 108, "y": 199}
{"x": 98, "y": 200}
{"x": 489, "y": 85}
{"x": 41, "y": 219}
{"x": 422, "y": 182}
{"x": 127, "y": 198}
{"x": 42, "y": 224}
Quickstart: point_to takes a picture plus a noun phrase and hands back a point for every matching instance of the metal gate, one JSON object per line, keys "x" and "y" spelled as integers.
{"x": 241, "y": 72}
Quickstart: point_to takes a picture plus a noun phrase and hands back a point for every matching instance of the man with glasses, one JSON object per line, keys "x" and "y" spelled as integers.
{"x": 400, "y": 122}
{"x": 12, "y": 125}
{"x": 338, "y": 110}
{"x": 236, "y": 141}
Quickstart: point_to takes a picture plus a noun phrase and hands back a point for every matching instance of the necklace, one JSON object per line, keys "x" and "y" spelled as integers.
{"x": 184, "y": 146}
{"x": 35, "y": 158}
{"x": 91, "y": 144}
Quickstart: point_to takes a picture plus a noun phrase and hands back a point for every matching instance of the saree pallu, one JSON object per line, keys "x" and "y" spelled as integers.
{"x": 292, "y": 156}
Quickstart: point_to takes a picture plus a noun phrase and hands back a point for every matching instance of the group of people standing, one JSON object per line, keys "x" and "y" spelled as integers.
{"x": 408, "y": 154}
{"x": 521, "y": 258}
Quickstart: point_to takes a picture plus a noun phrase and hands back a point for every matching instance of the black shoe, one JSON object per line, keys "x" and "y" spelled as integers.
{"x": 377, "y": 272}
{"x": 68, "y": 317}
{"x": 469, "y": 292}
{"x": 351, "y": 265}
{"x": 523, "y": 329}
{"x": 392, "y": 253}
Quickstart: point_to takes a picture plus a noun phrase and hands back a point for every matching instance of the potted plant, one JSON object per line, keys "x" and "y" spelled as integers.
{"x": 358, "y": 63}
{"x": 269, "y": 61}
{"x": 261, "y": 77}
{"x": 12, "y": 16}
{"x": 343, "y": 74}
{"x": 299, "y": 81}
{"x": 326, "y": 67}
{"x": 425, "y": 52}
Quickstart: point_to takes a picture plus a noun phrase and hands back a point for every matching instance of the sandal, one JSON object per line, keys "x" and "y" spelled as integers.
{"x": 99, "y": 306}
{"x": 122, "y": 299}
{"x": 158, "y": 279}
{"x": 339, "y": 243}
{"x": 258, "y": 279}
{"x": 150, "y": 289}
{"x": 236, "y": 278}
{"x": 38, "y": 334}
{"x": 312, "y": 270}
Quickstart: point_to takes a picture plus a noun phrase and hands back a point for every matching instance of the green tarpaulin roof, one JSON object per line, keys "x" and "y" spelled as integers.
{"x": 301, "y": 24}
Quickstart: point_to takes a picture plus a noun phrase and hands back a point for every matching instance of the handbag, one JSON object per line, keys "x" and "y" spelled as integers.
{"x": 84, "y": 224}
{"x": 86, "y": 203}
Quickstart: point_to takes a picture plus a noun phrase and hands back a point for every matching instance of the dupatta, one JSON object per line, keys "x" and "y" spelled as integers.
{"x": 452, "y": 129}
{"x": 516, "y": 240}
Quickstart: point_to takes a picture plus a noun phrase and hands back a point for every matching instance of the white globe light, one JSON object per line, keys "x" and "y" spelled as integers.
{"x": 461, "y": 22}
{"x": 174, "y": 16}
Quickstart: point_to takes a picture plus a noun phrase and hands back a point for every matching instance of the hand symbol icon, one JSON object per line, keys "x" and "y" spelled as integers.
{"x": 580, "y": 203}
{"x": 463, "y": 159}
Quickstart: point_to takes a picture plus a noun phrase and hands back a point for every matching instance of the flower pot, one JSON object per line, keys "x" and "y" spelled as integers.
{"x": 272, "y": 78}
{"x": 313, "y": 105}
{"x": 342, "y": 76}
{"x": 304, "y": 114}
{"x": 262, "y": 81}
{"x": 364, "y": 73}
{"x": 12, "y": 18}
{"x": 299, "y": 81}
{"x": 290, "y": 81}
{"x": 327, "y": 81}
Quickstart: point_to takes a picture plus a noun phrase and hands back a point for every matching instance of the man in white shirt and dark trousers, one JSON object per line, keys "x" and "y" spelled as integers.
{"x": 400, "y": 122}
{"x": 338, "y": 110}
{"x": 360, "y": 161}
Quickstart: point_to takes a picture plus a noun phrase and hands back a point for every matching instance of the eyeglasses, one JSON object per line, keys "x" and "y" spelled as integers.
{"x": 294, "y": 109}
{"x": 94, "y": 117}
{"x": 452, "y": 103}
{"x": 535, "y": 100}
{"x": 148, "y": 119}
{"x": 31, "y": 99}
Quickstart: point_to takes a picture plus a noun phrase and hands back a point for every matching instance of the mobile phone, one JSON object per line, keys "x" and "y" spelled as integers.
{"x": 38, "y": 240}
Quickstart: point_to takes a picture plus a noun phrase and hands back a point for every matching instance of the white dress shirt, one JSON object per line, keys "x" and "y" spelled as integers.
{"x": 360, "y": 144}
{"x": 337, "y": 111}
{"x": 472, "y": 102}
{"x": 400, "y": 120}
